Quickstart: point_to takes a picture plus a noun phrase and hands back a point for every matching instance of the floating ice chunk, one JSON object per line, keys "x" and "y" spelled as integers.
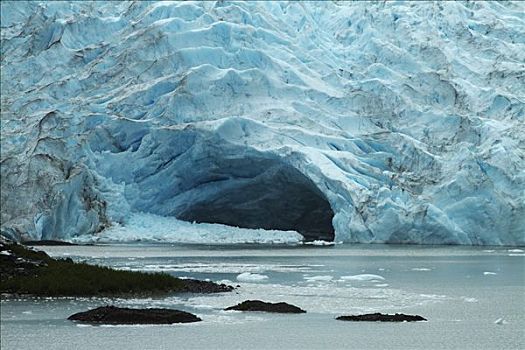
{"x": 381, "y": 285}
{"x": 225, "y": 281}
{"x": 433, "y": 296}
{"x": 319, "y": 278}
{"x": 516, "y": 251}
{"x": 421, "y": 269}
{"x": 486, "y": 273}
{"x": 500, "y": 321}
{"x": 320, "y": 243}
{"x": 363, "y": 277}
{"x": 251, "y": 277}
{"x": 470, "y": 300}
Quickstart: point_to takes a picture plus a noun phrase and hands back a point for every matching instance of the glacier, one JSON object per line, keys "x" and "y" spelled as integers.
{"x": 385, "y": 122}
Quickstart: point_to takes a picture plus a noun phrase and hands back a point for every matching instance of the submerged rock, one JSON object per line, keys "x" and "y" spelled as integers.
{"x": 257, "y": 305}
{"x": 117, "y": 315}
{"x": 378, "y": 317}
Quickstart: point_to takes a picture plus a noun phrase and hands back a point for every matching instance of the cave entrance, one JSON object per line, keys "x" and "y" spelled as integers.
{"x": 274, "y": 196}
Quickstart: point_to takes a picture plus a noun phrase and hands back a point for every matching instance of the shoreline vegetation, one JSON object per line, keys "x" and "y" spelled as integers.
{"x": 29, "y": 272}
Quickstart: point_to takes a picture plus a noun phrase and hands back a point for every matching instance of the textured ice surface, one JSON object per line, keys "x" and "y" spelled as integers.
{"x": 404, "y": 120}
{"x": 155, "y": 228}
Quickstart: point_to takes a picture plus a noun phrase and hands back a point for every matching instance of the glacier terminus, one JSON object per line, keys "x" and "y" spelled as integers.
{"x": 384, "y": 122}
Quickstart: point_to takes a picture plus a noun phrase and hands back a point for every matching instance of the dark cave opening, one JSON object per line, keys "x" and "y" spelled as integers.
{"x": 275, "y": 196}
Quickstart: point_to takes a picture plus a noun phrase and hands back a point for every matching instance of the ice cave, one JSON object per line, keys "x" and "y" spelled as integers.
{"x": 199, "y": 178}
{"x": 266, "y": 195}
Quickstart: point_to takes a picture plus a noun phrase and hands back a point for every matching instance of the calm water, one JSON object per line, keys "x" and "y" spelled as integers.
{"x": 462, "y": 291}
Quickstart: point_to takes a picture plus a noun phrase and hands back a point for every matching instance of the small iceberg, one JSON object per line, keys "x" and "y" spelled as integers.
{"x": 251, "y": 277}
{"x": 363, "y": 278}
{"x": 320, "y": 243}
{"x": 318, "y": 278}
{"x": 500, "y": 321}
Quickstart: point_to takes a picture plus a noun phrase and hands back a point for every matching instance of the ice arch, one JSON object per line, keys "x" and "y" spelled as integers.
{"x": 196, "y": 176}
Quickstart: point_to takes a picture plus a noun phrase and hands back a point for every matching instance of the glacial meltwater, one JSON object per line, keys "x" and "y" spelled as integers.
{"x": 473, "y": 298}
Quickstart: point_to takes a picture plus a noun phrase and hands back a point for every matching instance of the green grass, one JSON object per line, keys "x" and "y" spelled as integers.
{"x": 79, "y": 279}
{"x": 67, "y": 278}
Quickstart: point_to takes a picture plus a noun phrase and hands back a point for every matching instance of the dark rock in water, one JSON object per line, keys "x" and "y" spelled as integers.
{"x": 257, "y": 305}
{"x": 48, "y": 242}
{"x": 117, "y": 315}
{"x": 377, "y": 317}
{"x": 197, "y": 286}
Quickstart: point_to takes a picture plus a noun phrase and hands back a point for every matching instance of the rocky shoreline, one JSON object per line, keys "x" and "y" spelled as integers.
{"x": 25, "y": 271}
